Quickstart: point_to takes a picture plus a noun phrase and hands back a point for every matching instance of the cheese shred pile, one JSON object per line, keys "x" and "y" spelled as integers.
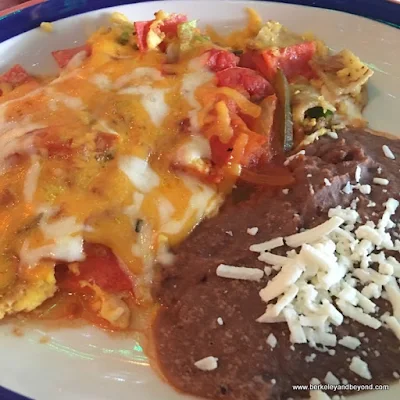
{"x": 318, "y": 283}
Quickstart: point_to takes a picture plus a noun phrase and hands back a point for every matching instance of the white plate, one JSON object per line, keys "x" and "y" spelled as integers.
{"x": 85, "y": 363}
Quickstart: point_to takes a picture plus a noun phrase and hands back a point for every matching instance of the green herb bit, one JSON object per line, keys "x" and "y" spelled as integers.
{"x": 123, "y": 38}
{"x": 317, "y": 112}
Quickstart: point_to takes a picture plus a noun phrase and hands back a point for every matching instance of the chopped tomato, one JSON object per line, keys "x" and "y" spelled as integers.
{"x": 15, "y": 76}
{"x": 247, "y": 60}
{"x": 292, "y": 60}
{"x": 221, "y": 59}
{"x": 100, "y": 267}
{"x": 253, "y": 149}
{"x": 142, "y": 29}
{"x": 105, "y": 141}
{"x": 63, "y": 57}
{"x": 239, "y": 147}
{"x": 168, "y": 27}
{"x": 49, "y": 139}
{"x": 221, "y": 152}
{"x": 246, "y": 79}
{"x": 19, "y": 91}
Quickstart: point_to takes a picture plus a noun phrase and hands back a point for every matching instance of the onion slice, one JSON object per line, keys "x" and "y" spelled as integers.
{"x": 273, "y": 177}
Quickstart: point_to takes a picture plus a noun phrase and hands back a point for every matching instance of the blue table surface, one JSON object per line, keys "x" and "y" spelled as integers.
{"x": 20, "y": 21}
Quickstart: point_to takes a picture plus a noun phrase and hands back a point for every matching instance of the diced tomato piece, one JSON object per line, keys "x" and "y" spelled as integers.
{"x": 142, "y": 29}
{"x": 20, "y": 90}
{"x": 247, "y": 60}
{"x": 170, "y": 25}
{"x": 221, "y": 59}
{"x": 15, "y": 76}
{"x": 100, "y": 267}
{"x": 220, "y": 152}
{"x": 247, "y": 79}
{"x": 254, "y": 149}
{"x": 49, "y": 139}
{"x": 63, "y": 57}
{"x": 246, "y": 149}
{"x": 292, "y": 60}
{"x": 105, "y": 141}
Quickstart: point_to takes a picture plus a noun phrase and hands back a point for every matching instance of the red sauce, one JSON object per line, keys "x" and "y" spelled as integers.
{"x": 75, "y": 300}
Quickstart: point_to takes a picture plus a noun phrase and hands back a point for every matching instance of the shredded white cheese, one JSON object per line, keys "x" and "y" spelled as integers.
{"x": 139, "y": 173}
{"x": 68, "y": 249}
{"x": 311, "y": 235}
{"x": 388, "y": 152}
{"x": 381, "y": 181}
{"x": 31, "y": 180}
{"x": 360, "y": 367}
{"x": 271, "y": 340}
{"x": 350, "y": 342}
{"x": 152, "y": 100}
{"x": 272, "y": 259}
{"x": 318, "y": 283}
{"x": 357, "y": 314}
{"x": 268, "y": 245}
{"x": 357, "y": 175}
{"x": 331, "y": 379}
{"x": 207, "y": 364}
{"x": 243, "y": 273}
{"x": 348, "y": 188}
{"x": 327, "y": 182}
{"x": 252, "y": 231}
{"x": 365, "y": 189}
{"x": 288, "y": 275}
{"x": 332, "y": 135}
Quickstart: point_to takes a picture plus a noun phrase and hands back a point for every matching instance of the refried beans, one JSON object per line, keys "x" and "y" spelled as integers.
{"x": 204, "y": 315}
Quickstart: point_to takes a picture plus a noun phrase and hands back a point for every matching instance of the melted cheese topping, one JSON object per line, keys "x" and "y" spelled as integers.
{"x": 102, "y": 135}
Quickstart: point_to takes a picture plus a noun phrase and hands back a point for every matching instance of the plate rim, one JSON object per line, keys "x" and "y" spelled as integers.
{"x": 29, "y": 17}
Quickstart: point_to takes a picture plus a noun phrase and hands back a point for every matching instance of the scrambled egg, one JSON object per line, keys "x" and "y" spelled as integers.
{"x": 26, "y": 296}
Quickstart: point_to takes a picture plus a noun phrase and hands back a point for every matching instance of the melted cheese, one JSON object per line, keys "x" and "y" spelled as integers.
{"x": 75, "y": 103}
{"x": 139, "y": 74}
{"x": 195, "y": 149}
{"x": 102, "y": 81}
{"x": 65, "y": 249}
{"x": 165, "y": 210}
{"x": 16, "y": 139}
{"x": 139, "y": 173}
{"x": 201, "y": 195}
{"x": 104, "y": 132}
{"x": 61, "y": 227}
{"x": 152, "y": 100}
{"x": 190, "y": 83}
{"x": 31, "y": 181}
{"x": 76, "y": 61}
